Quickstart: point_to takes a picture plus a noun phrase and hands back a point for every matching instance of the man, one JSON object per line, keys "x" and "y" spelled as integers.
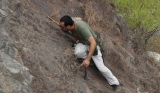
{"x": 88, "y": 46}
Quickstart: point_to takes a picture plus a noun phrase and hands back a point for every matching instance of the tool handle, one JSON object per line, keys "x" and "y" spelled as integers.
{"x": 85, "y": 74}
{"x": 53, "y": 20}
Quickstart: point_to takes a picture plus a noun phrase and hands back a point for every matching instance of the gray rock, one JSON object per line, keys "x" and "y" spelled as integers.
{"x": 14, "y": 77}
{"x": 3, "y": 13}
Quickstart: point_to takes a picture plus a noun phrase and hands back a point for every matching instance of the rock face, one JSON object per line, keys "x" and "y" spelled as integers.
{"x": 14, "y": 77}
{"x": 155, "y": 56}
{"x": 37, "y": 57}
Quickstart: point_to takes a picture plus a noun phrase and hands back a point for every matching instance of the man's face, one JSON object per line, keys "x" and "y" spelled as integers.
{"x": 62, "y": 26}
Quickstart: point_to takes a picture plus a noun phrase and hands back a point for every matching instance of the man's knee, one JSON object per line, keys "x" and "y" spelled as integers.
{"x": 80, "y": 55}
{"x": 80, "y": 50}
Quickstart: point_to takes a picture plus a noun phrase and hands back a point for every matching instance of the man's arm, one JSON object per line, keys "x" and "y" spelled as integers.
{"x": 92, "y": 47}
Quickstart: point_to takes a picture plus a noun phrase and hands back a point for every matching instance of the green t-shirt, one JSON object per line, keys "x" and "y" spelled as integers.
{"x": 83, "y": 31}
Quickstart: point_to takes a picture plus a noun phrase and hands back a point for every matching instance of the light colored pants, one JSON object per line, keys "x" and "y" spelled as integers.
{"x": 81, "y": 52}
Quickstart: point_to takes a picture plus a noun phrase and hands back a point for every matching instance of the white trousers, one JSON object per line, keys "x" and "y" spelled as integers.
{"x": 81, "y": 52}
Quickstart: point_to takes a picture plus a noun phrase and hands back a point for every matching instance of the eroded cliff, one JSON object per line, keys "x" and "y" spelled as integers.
{"x": 37, "y": 57}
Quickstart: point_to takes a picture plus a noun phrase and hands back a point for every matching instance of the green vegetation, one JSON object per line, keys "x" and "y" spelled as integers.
{"x": 144, "y": 17}
{"x": 140, "y": 13}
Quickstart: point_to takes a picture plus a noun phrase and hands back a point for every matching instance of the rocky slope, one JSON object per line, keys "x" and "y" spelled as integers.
{"x": 37, "y": 57}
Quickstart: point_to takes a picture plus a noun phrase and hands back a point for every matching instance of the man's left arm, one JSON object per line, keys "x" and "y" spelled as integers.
{"x": 92, "y": 47}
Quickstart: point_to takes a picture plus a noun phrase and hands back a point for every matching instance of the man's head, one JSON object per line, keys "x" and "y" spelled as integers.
{"x": 66, "y": 23}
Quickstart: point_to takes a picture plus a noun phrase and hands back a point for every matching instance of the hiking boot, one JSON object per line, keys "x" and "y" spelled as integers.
{"x": 115, "y": 87}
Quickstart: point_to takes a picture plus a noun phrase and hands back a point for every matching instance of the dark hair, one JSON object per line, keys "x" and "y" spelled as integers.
{"x": 67, "y": 20}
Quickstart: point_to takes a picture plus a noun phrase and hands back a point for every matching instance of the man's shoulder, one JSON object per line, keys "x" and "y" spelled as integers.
{"x": 81, "y": 24}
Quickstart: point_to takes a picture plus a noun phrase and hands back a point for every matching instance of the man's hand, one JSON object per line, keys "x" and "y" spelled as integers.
{"x": 79, "y": 18}
{"x": 86, "y": 63}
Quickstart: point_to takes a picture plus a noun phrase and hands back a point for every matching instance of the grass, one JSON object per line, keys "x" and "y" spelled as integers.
{"x": 140, "y": 13}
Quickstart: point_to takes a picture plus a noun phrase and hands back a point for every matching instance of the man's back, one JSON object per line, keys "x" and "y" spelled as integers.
{"x": 83, "y": 31}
